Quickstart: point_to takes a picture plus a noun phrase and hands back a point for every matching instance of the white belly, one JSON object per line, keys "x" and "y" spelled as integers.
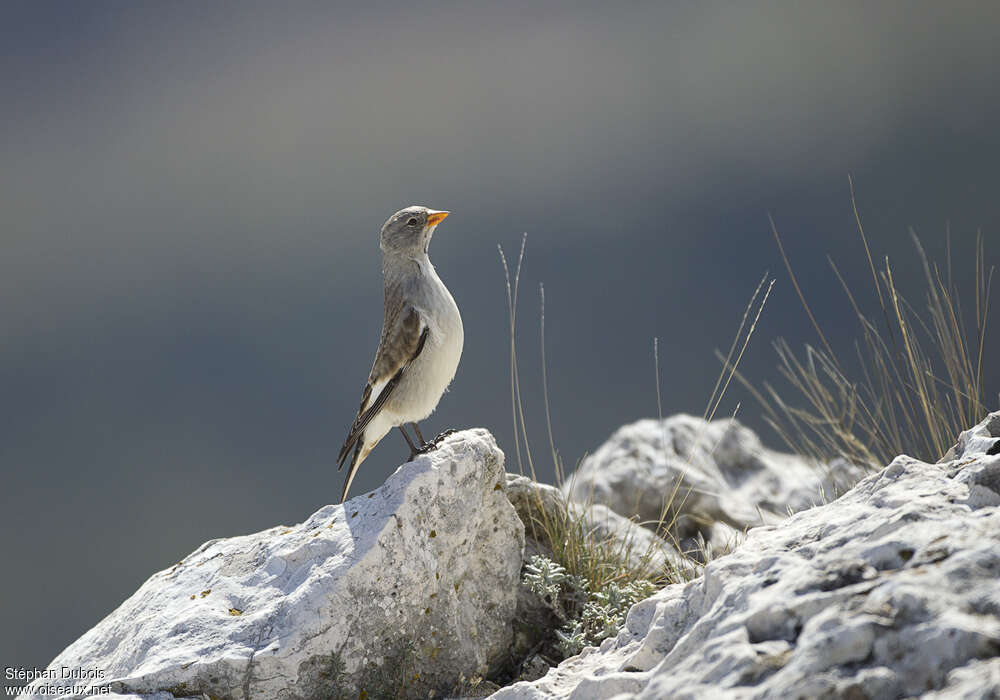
{"x": 431, "y": 372}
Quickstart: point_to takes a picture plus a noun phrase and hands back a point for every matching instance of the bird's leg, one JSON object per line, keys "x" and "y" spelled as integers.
{"x": 442, "y": 435}
{"x": 413, "y": 450}
{"x": 428, "y": 446}
{"x": 416, "y": 429}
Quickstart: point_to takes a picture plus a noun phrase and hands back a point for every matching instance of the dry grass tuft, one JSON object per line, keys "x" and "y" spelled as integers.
{"x": 921, "y": 373}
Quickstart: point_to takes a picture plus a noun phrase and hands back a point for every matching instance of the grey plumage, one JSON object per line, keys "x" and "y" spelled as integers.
{"x": 421, "y": 343}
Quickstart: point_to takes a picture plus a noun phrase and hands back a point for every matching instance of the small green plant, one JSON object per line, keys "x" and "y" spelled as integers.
{"x": 588, "y": 615}
{"x": 546, "y": 579}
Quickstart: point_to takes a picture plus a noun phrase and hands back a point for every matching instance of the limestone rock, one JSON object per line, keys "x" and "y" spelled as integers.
{"x": 700, "y": 474}
{"x": 398, "y": 593}
{"x": 889, "y": 591}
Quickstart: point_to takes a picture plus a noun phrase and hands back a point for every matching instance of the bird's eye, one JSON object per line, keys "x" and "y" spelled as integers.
{"x": 411, "y": 221}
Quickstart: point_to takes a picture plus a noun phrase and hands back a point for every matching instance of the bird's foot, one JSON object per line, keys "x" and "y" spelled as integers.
{"x": 433, "y": 444}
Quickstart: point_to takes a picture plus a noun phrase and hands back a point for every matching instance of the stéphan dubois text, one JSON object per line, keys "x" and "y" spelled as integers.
{"x": 19, "y": 673}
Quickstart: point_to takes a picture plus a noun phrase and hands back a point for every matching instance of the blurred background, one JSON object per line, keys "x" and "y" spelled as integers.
{"x": 191, "y": 194}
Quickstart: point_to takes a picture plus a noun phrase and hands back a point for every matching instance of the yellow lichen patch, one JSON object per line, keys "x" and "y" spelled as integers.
{"x": 497, "y": 487}
{"x": 192, "y": 596}
{"x": 235, "y": 612}
{"x": 315, "y": 534}
{"x": 427, "y": 611}
{"x": 286, "y": 532}
{"x": 206, "y": 592}
{"x": 363, "y": 695}
{"x": 433, "y": 533}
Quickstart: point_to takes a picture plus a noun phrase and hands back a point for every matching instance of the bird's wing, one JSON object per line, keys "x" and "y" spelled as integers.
{"x": 403, "y": 338}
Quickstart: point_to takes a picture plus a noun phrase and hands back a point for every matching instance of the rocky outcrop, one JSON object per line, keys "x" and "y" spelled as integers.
{"x": 707, "y": 481}
{"x": 681, "y": 470}
{"x": 402, "y": 592}
{"x": 414, "y": 589}
{"x": 889, "y": 591}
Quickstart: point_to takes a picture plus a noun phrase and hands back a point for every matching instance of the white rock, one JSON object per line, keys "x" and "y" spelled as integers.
{"x": 398, "y": 592}
{"x": 133, "y": 696}
{"x": 889, "y": 591}
{"x": 699, "y": 474}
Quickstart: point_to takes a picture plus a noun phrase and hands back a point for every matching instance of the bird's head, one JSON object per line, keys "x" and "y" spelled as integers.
{"x": 408, "y": 232}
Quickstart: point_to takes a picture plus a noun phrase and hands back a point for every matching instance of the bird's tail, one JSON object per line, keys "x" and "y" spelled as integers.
{"x": 356, "y": 460}
{"x": 353, "y": 440}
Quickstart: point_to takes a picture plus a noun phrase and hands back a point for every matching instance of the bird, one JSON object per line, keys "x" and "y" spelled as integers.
{"x": 420, "y": 347}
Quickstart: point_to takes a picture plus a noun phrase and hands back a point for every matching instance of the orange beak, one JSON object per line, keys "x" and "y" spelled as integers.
{"x": 436, "y": 217}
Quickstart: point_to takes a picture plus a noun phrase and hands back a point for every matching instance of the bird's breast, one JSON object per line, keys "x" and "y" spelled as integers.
{"x": 446, "y": 336}
{"x": 432, "y": 371}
